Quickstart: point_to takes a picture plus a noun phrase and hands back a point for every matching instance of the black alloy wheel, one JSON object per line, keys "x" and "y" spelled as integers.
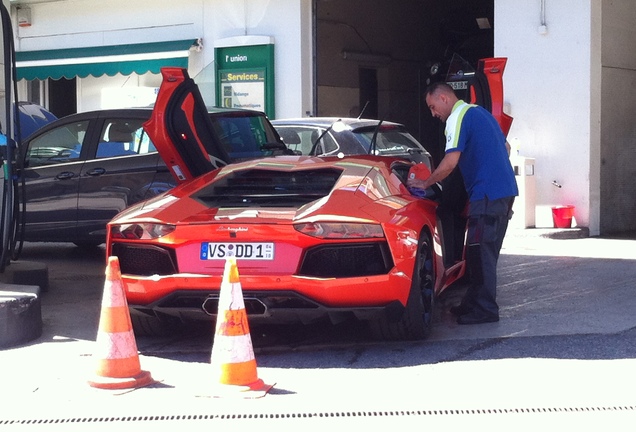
{"x": 417, "y": 318}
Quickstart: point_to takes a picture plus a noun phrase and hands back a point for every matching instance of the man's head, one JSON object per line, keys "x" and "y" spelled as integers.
{"x": 440, "y": 99}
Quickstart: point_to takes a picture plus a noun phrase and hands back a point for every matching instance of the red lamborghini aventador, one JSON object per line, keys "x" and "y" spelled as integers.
{"x": 314, "y": 238}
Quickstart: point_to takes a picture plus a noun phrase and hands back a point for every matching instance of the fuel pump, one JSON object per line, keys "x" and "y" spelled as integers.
{"x": 9, "y": 213}
{"x": 20, "y": 306}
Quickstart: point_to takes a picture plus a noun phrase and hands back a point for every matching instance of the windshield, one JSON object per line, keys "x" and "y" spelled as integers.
{"x": 392, "y": 141}
{"x": 459, "y": 76}
{"x": 303, "y": 139}
{"x": 389, "y": 140}
{"x": 245, "y": 136}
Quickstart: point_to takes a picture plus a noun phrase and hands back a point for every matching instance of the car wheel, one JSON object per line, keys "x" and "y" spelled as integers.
{"x": 150, "y": 325}
{"x": 416, "y": 320}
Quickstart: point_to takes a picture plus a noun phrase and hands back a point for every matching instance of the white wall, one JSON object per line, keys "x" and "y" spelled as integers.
{"x": 118, "y": 91}
{"x": 553, "y": 95}
{"x": 289, "y": 22}
{"x": 84, "y": 23}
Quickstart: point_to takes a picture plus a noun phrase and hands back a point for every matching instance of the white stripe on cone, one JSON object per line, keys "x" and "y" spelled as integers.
{"x": 115, "y": 345}
{"x": 232, "y": 349}
{"x": 113, "y": 295}
{"x": 231, "y": 297}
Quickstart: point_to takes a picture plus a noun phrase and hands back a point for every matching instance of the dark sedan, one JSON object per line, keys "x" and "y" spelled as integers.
{"x": 81, "y": 170}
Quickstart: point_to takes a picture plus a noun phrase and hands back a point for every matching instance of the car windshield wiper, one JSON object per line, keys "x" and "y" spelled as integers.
{"x": 273, "y": 146}
{"x": 277, "y": 146}
{"x": 372, "y": 145}
{"x": 315, "y": 143}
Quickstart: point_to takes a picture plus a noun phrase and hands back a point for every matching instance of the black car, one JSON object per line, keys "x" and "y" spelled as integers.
{"x": 80, "y": 171}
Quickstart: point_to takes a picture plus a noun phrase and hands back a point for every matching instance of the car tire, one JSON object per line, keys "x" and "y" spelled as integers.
{"x": 150, "y": 325}
{"x": 417, "y": 317}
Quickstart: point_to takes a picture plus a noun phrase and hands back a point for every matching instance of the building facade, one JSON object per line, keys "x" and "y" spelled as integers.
{"x": 568, "y": 79}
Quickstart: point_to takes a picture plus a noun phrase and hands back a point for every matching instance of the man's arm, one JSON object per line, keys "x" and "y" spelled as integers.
{"x": 446, "y": 166}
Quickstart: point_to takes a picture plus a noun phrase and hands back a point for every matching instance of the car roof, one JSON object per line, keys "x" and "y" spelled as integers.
{"x": 146, "y": 111}
{"x": 107, "y": 112}
{"x": 351, "y": 122}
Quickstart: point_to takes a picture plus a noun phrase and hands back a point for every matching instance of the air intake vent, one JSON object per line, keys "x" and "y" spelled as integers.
{"x": 347, "y": 260}
{"x": 269, "y": 188}
{"x": 144, "y": 260}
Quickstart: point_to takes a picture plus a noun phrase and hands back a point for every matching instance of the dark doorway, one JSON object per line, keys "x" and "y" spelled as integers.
{"x": 398, "y": 46}
{"x": 368, "y": 92}
{"x": 63, "y": 96}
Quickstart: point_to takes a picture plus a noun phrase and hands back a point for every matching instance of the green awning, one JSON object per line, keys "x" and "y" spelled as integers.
{"x": 108, "y": 60}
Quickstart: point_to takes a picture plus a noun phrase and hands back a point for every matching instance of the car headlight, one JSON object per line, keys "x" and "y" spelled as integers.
{"x": 140, "y": 231}
{"x": 337, "y": 230}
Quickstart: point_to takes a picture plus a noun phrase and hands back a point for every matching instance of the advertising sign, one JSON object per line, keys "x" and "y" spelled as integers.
{"x": 245, "y": 77}
{"x": 243, "y": 89}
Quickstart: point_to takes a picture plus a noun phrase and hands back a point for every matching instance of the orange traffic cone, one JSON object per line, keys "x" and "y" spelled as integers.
{"x": 232, "y": 353}
{"x": 117, "y": 357}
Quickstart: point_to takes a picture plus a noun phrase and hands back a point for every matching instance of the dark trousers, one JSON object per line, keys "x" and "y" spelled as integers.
{"x": 487, "y": 224}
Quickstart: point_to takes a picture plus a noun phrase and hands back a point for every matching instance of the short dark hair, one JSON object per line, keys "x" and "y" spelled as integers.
{"x": 437, "y": 87}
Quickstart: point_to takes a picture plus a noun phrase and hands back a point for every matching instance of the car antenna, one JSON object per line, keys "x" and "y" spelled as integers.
{"x": 315, "y": 143}
{"x": 363, "y": 110}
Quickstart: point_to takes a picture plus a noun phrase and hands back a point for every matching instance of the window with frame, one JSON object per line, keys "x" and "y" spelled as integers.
{"x": 59, "y": 145}
{"x": 121, "y": 137}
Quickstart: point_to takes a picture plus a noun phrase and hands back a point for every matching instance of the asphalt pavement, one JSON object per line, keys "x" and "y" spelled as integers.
{"x": 563, "y": 351}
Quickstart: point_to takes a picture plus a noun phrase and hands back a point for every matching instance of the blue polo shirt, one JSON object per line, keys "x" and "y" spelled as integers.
{"x": 484, "y": 161}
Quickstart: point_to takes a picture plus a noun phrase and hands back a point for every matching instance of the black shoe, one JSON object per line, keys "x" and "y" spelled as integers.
{"x": 471, "y": 318}
{"x": 459, "y": 310}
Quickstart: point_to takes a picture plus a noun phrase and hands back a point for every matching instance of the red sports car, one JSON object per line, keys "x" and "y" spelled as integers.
{"x": 314, "y": 238}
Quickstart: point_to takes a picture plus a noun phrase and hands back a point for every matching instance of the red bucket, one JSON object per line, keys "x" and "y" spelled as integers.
{"x": 562, "y": 216}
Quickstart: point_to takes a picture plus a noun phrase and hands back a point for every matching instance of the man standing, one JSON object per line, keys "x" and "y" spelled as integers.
{"x": 475, "y": 143}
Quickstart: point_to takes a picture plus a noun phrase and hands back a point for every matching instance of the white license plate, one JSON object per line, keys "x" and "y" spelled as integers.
{"x": 253, "y": 251}
{"x": 458, "y": 85}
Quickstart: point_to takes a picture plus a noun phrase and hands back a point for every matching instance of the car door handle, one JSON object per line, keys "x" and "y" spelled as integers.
{"x": 65, "y": 175}
{"x": 96, "y": 172}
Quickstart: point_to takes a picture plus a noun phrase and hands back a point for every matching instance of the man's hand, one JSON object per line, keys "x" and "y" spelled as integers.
{"x": 446, "y": 166}
{"x": 416, "y": 183}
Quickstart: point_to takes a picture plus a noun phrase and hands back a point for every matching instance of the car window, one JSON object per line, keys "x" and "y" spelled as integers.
{"x": 324, "y": 142}
{"x": 243, "y": 136}
{"x": 302, "y": 138}
{"x": 388, "y": 140}
{"x": 59, "y": 145}
{"x": 120, "y": 137}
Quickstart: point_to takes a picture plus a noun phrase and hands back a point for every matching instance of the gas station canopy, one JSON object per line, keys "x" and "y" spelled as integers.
{"x": 103, "y": 60}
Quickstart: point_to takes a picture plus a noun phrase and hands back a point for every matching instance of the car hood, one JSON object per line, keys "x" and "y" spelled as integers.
{"x": 32, "y": 118}
{"x": 307, "y": 189}
{"x": 181, "y": 129}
